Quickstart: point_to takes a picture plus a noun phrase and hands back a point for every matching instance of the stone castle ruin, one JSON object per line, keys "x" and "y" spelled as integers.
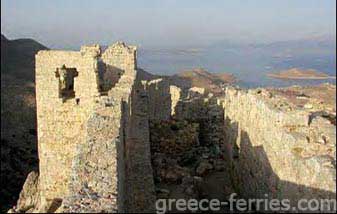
{"x": 84, "y": 113}
{"x": 100, "y": 139}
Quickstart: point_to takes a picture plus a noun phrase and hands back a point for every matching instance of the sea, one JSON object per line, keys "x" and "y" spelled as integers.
{"x": 250, "y": 64}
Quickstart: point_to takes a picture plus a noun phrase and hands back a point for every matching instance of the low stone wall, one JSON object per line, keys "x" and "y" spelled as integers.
{"x": 275, "y": 151}
{"x": 160, "y": 100}
{"x": 208, "y": 113}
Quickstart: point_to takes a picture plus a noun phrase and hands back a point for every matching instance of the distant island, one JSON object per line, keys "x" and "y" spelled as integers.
{"x": 296, "y": 73}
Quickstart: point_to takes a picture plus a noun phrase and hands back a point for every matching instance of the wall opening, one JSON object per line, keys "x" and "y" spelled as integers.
{"x": 66, "y": 78}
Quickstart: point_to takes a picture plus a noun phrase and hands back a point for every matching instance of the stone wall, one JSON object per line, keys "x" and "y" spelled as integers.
{"x": 139, "y": 184}
{"x": 62, "y": 123}
{"x": 277, "y": 151}
{"x": 114, "y": 62}
{"x": 160, "y": 100}
{"x": 167, "y": 102}
{"x": 208, "y": 113}
{"x": 88, "y": 138}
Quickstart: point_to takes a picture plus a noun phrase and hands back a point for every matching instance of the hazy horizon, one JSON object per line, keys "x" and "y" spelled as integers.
{"x": 166, "y": 23}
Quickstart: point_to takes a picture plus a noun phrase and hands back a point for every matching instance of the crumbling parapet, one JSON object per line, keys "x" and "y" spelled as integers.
{"x": 124, "y": 57}
{"x": 160, "y": 99}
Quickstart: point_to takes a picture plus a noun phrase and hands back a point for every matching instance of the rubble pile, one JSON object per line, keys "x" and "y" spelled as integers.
{"x": 179, "y": 162}
{"x": 173, "y": 137}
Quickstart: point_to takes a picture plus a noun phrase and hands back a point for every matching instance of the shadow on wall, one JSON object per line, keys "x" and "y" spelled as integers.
{"x": 136, "y": 192}
{"x": 253, "y": 177}
{"x": 121, "y": 153}
{"x": 108, "y": 75}
{"x": 160, "y": 100}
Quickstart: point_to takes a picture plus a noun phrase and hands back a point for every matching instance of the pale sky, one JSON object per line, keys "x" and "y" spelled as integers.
{"x": 71, "y": 23}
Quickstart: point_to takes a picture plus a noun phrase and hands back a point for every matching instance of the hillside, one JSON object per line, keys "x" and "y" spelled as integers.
{"x": 17, "y": 57}
{"x": 201, "y": 78}
{"x": 198, "y": 77}
{"x": 18, "y": 115}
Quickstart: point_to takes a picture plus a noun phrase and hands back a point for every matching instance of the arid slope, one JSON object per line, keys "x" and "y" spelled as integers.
{"x": 201, "y": 78}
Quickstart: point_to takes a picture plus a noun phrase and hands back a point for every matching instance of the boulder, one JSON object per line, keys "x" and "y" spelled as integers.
{"x": 162, "y": 193}
{"x": 29, "y": 195}
{"x": 174, "y": 174}
{"x": 203, "y": 168}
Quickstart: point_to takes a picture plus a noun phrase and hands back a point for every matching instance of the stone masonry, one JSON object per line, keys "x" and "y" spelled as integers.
{"x": 62, "y": 119}
{"x": 285, "y": 153}
{"x": 84, "y": 112}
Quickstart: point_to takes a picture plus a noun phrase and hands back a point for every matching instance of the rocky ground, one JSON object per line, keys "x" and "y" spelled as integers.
{"x": 183, "y": 166}
{"x": 313, "y": 98}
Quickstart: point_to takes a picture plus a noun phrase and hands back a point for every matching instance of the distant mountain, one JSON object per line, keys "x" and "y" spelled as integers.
{"x": 18, "y": 57}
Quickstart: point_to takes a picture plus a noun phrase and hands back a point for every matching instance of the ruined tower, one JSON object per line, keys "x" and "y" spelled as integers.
{"x": 70, "y": 87}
